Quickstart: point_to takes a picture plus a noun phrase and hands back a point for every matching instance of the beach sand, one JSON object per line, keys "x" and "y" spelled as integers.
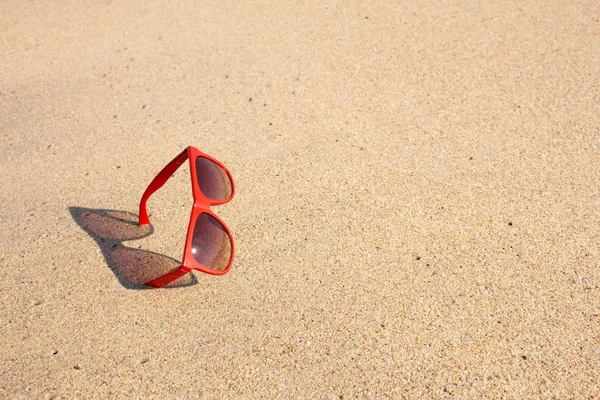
{"x": 417, "y": 202}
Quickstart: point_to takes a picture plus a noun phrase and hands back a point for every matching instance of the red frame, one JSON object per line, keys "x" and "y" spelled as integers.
{"x": 201, "y": 205}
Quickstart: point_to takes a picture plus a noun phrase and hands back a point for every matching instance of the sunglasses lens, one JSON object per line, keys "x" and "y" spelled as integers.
{"x": 211, "y": 244}
{"x": 212, "y": 180}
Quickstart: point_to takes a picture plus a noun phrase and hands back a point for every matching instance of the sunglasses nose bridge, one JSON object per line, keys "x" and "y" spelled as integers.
{"x": 200, "y": 205}
{"x": 198, "y": 197}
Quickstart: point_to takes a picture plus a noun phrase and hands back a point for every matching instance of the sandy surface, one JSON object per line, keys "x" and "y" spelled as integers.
{"x": 417, "y": 211}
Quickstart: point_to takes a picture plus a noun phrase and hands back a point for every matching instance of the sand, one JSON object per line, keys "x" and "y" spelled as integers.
{"x": 417, "y": 208}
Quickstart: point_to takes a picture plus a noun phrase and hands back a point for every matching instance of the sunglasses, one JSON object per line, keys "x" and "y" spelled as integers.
{"x": 209, "y": 244}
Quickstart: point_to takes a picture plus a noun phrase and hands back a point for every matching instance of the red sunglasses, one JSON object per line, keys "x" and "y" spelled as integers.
{"x": 209, "y": 244}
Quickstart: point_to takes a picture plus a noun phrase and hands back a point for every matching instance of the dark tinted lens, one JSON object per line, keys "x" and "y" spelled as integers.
{"x": 212, "y": 179}
{"x": 211, "y": 245}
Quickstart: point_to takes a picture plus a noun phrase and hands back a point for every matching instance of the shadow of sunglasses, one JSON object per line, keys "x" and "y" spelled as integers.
{"x": 132, "y": 267}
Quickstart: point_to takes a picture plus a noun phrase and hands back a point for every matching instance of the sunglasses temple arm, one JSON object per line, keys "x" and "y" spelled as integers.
{"x": 160, "y": 179}
{"x": 167, "y": 278}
